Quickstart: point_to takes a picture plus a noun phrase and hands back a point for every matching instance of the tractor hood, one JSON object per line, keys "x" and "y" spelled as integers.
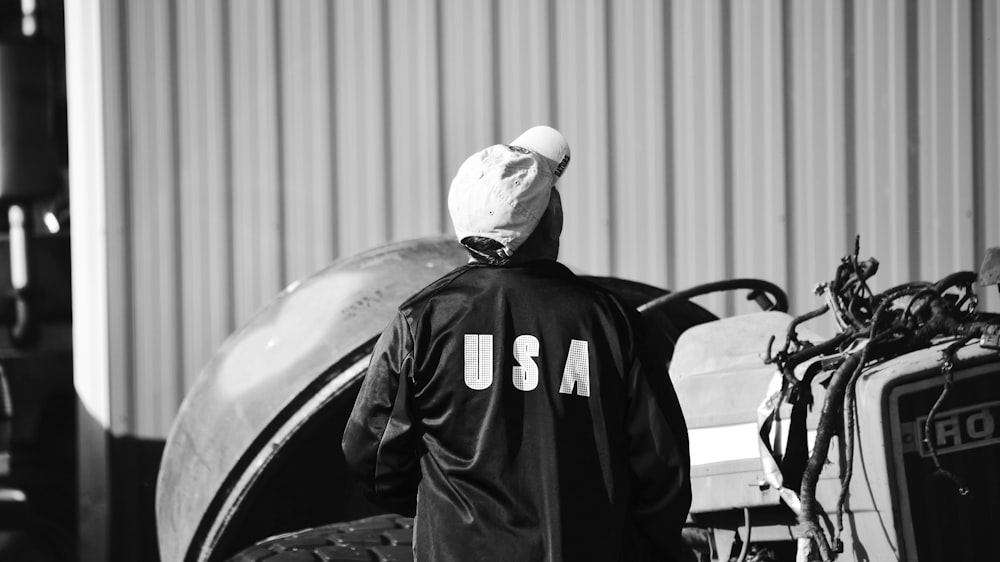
{"x": 723, "y": 384}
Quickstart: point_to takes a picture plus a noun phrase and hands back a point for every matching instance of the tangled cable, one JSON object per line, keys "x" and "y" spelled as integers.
{"x": 874, "y": 327}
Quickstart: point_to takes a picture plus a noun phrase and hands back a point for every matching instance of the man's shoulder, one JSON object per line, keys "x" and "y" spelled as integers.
{"x": 474, "y": 278}
{"x": 593, "y": 290}
{"x": 436, "y": 287}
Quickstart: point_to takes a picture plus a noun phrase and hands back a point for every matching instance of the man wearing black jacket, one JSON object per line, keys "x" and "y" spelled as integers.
{"x": 513, "y": 407}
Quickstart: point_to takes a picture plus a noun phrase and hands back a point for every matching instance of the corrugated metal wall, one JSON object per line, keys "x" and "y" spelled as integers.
{"x": 711, "y": 138}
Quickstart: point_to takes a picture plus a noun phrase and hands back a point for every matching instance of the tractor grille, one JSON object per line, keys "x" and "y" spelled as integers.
{"x": 939, "y": 523}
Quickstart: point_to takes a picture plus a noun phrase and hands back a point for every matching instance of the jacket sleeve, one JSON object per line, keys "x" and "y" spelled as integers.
{"x": 658, "y": 446}
{"x": 381, "y": 444}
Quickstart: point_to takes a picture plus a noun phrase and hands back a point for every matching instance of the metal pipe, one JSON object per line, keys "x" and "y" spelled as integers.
{"x": 746, "y": 530}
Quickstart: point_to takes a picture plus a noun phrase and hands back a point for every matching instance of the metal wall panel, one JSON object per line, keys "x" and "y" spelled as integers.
{"x": 702, "y": 218}
{"x": 417, "y": 174}
{"x": 526, "y": 90}
{"x": 306, "y": 136}
{"x": 583, "y": 115}
{"x": 819, "y": 204}
{"x": 710, "y": 139}
{"x": 361, "y": 117}
{"x": 203, "y": 182}
{"x": 470, "y": 114}
{"x": 945, "y": 141}
{"x": 153, "y": 201}
{"x": 987, "y": 125}
{"x": 257, "y": 198}
{"x": 117, "y": 221}
{"x": 640, "y": 180}
{"x": 881, "y": 180}
{"x": 756, "y": 154}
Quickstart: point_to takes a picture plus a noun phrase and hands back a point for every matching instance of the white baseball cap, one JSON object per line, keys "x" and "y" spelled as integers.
{"x": 502, "y": 191}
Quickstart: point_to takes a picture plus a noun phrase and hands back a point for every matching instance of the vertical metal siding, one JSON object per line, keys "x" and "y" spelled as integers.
{"x": 701, "y": 219}
{"x": 262, "y": 139}
{"x": 203, "y": 182}
{"x": 153, "y": 201}
{"x": 881, "y": 175}
{"x": 639, "y": 182}
{"x": 306, "y": 137}
{"x": 583, "y": 114}
{"x": 364, "y": 165}
{"x": 945, "y": 127}
{"x": 525, "y": 87}
{"x": 987, "y": 122}
{"x": 758, "y": 192}
{"x": 415, "y": 150}
{"x": 257, "y": 197}
{"x": 118, "y": 219}
{"x": 817, "y": 146}
{"x": 469, "y": 110}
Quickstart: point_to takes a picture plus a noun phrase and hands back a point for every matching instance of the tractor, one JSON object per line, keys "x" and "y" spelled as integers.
{"x": 879, "y": 443}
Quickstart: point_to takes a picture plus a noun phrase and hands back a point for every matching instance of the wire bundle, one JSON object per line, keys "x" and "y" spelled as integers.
{"x": 874, "y": 327}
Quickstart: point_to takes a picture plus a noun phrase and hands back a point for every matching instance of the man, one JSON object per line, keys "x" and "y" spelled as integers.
{"x": 513, "y": 407}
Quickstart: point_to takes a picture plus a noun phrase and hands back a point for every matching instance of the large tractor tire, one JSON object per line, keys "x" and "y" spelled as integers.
{"x": 382, "y": 538}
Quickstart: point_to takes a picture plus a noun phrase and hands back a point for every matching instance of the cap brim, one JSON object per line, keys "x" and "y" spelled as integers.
{"x": 547, "y": 142}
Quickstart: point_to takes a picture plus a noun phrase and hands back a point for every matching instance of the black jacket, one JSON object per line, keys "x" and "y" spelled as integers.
{"x": 518, "y": 413}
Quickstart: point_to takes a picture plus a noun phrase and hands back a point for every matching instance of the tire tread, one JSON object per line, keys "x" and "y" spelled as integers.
{"x": 381, "y": 538}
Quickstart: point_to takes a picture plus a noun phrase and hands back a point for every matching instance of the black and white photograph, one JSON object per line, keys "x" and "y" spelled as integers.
{"x": 499, "y": 280}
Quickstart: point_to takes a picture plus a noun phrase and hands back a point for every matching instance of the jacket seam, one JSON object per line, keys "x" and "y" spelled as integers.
{"x": 385, "y": 430}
